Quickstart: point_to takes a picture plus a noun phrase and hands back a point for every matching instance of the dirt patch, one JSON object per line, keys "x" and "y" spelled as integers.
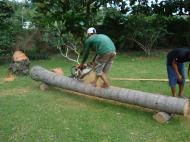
{"x": 10, "y": 77}
{"x": 74, "y": 104}
{"x": 141, "y": 58}
{"x": 15, "y": 92}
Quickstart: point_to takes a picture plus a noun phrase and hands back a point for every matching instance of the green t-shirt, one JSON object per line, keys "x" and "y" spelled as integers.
{"x": 100, "y": 42}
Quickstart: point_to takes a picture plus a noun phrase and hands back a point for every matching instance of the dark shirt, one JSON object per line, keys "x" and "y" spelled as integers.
{"x": 180, "y": 55}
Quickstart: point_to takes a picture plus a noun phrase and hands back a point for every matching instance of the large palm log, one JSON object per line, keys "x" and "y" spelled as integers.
{"x": 148, "y": 100}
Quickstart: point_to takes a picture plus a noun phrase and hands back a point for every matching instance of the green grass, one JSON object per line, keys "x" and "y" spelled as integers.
{"x": 28, "y": 114}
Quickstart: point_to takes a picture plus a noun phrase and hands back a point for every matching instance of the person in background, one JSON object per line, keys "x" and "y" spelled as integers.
{"x": 175, "y": 69}
{"x": 105, "y": 53}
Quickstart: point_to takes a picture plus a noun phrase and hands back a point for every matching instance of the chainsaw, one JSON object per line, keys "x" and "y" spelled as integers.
{"x": 79, "y": 73}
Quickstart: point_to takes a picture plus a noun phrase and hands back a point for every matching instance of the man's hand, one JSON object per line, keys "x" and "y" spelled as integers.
{"x": 179, "y": 78}
{"x": 81, "y": 66}
{"x": 175, "y": 67}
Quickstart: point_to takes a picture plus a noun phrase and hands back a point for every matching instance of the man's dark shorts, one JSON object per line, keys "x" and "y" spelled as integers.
{"x": 172, "y": 75}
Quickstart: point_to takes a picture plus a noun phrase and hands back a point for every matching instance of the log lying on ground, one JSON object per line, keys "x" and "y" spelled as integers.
{"x": 148, "y": 100}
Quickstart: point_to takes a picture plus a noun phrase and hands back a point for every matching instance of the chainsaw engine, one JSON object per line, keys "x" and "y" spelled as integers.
{"x": 80, "y": 73}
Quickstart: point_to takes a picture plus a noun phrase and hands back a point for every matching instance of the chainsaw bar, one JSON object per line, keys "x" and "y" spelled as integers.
{"x": 80, "y": 73}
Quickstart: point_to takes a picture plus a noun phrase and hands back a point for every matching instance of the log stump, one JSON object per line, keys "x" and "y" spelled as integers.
{"x": 162, "y": 117}
{"x": 20, "y": 64}
{"x": 44, "y": 86}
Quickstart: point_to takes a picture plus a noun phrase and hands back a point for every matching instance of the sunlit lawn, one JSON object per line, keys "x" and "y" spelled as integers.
{"x": 28, "y": 114}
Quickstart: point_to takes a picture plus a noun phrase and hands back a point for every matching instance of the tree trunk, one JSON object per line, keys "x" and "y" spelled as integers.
{"x": 148, "y": 100}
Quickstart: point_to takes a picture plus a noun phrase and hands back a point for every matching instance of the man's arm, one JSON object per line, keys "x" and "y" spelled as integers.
{"x": 93, "y": 60}
{"x": 174, "y": 65}
{"x": 85, "y": 56}
{"x": 86, "y": 50}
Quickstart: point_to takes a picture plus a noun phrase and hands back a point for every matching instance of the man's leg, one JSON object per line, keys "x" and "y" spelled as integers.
{"x": 94, "y": 82}
{"x": 181, "y": 84}
{"x": 103, "y": 78}
{"x": 173, "y": 91}
{"x": 108, "y": 65}
{"x": 103, "y": 64}
{"x": 180, "y": 90}
{"x": 172, "y": 79}
{"x": 105, "y": 82}
{"x": 109, "y": 62}
{"x": 99, "y": 66}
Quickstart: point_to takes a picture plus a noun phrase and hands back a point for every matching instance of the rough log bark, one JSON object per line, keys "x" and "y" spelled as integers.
{"x": 148, "y": 100}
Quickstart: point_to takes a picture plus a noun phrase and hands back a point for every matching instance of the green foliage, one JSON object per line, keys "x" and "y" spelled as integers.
{"x": 113, "y": 25}
{"x": 33, "y": 55}
{"x": 141, "y": 9}
{"x": 6, "y": 40}
{"x": 144, "y": 30}
{"x": 56, "y": 35}
{"x": 63, "y": 22}
{"x": 64, "y": 42}
{"x": 180, "y": 31}
{"x": 147, "y": 31}
{"x": 187, "y": 6}
{"x": 145, "y": 24}
{"x": 6, "y": 33}
{"x": 69, "y": 11}
{"x": 10, "y": 26}
{"x": 169, "y": 7}
{"x": 6, "y": 12}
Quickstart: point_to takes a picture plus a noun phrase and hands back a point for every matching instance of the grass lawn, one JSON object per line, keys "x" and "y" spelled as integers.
{"x": 28, "y": 114}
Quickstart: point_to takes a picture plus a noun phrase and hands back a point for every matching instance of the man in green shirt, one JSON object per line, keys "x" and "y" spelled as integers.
{"x": 105, "y": 53}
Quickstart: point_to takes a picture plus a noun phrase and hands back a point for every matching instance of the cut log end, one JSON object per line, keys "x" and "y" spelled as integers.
{"x": 44, "y": 86}
{"x": 58, "y": 71}
{"x": 186, "y": 108}
{"x": 162, "y": 117}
